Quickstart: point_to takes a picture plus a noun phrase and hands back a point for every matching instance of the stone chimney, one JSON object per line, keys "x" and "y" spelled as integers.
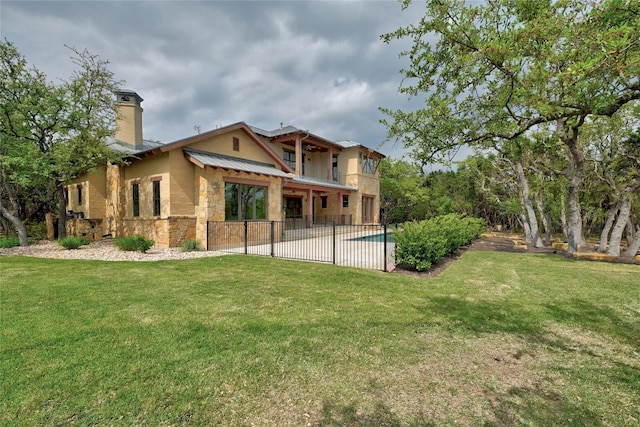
{"x": 129, "y": 118}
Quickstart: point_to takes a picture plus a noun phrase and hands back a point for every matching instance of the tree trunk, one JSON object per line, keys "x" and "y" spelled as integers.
{"x": 62, "y": 211}
{"x": 525, "y": 227}
{"x": 17, "y": 224}
{"x": 632, "y": 250}
{"x": 630, "y": 231}
{"x": 528, "y": 207}
{"x": 621, "y": 222}
{"x": 604, "y": 236}
{"x": 544, "y": 217}
{"x": 563, "y": 216}
{"x": 575, "y": 177}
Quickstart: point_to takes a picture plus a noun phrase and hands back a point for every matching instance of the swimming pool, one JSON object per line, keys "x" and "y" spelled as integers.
{"x": 374, "y": 238}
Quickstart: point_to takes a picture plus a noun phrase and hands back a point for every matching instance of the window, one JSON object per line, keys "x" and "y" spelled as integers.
{"x": 289, "y": 158}
{"x": 156, "y": 198}
{"x": 244, "y": 202}
{"x": 324, "y": 202}
{"x": 334, "y": 167}
{"x": 135, "y": 192}
{"x": 345, "y": 201}
{"x": 79, "y": 187}
{"x": 367, "y": 209}
{"x": 236, "y": 144}
{"x": 369, "y": 165}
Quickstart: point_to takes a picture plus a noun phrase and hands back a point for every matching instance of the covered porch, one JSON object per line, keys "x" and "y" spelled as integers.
{"x": 309, "y": 202}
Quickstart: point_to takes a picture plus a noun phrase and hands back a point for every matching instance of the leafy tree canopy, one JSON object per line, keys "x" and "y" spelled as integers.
{"x": 498, "y": 69}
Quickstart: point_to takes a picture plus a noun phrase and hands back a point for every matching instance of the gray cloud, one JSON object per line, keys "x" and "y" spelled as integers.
{"x": 317, "y": 65}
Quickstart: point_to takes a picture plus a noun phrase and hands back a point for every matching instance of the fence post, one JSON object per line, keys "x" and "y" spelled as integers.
{"x": 333, "y": 224}
{"x": 246, "y": 237}
{"x": 273, "y": 251}
{"x": 384, "y": 261}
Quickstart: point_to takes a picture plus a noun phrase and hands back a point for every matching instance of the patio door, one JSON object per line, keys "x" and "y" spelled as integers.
{"x": 293, "y": 207}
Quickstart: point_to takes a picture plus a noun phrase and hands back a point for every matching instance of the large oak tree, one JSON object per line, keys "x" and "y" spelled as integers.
{"x": 50, "y": 132}
{"x": 500, "y": 69}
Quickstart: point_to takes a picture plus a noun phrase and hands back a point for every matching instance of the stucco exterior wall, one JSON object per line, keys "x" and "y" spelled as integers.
{"x": 223, "y": 144}
{"x": 97, "y": 194}
{"x": 94, "y": 192}
{"x": 181, "y": 184}
{"x": 145, "y": 171}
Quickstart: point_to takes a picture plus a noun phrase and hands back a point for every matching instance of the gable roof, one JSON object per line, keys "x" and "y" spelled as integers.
{"x": 151, "y": 147}
{"x": 287, "y": 130}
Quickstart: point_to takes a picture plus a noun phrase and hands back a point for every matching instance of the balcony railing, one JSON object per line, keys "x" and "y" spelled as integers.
{"x": 315, "y": 171}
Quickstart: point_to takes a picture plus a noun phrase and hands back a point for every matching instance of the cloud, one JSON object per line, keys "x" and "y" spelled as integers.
{"x": 313, "y": 64}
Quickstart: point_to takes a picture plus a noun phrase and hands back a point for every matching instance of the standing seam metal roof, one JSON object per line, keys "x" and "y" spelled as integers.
{"x": 228, "y": 162}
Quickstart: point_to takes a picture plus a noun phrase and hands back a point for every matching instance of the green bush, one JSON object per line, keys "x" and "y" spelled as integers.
{"x": 420, "y": 244}
{"x": 73, "y": 242}
{"x": 37, "y": 230}
{"x": 190, "y": 246}
{"x": 134, "y": 243}
{"x": 9, "y": 242}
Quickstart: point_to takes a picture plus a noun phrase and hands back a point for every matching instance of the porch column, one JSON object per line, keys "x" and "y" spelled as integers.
{"x": 339, "y": 219}
{"x": 330, "y": 165}
{"x": 309, "y": 208}
{"x": 298, "y": 156}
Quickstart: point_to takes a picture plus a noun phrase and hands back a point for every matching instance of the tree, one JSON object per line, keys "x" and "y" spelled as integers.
{"x": 49, "y": 133}
{"x": 613, "y": 154}
{"x": 498, "y": 70}
{"x": 402, "y": 192}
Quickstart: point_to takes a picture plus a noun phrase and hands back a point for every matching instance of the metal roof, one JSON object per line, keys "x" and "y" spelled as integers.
{"x": 307, "y": 180}
{"x": 349, "y": 144}
{"x": 125, "y": 148}
{"x": 273, "y": 133}
{"x": 235, "y": 163}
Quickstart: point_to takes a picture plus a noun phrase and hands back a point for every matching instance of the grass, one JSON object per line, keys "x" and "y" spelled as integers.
{"x": 498, "y": 339}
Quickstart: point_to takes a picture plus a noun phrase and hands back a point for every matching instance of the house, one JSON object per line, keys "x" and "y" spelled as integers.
{"x": 171, "y": 192}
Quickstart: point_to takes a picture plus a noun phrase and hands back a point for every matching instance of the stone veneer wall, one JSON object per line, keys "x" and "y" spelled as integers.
{"x": 166, "y": 232}
{"x": 89, "y": 228}
{"x": 230, "y": 234}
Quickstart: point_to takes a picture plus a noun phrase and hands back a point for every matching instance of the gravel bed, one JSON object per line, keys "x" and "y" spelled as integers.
{"x": 103, "y": 250}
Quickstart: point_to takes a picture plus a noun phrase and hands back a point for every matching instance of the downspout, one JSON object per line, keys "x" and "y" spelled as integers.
{"x": 299, "y": 171}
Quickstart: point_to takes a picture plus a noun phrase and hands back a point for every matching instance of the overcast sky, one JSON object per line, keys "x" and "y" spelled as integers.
{"x": 316, "y": 65}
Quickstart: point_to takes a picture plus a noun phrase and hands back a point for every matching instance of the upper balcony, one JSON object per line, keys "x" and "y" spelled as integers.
{"x": 315, "y": 171}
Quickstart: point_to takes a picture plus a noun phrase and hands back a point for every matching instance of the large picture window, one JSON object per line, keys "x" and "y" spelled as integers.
{"x": 244, "y": 202}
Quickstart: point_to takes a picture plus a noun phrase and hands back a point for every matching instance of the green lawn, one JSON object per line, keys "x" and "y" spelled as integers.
{"x": 497, "y": 339}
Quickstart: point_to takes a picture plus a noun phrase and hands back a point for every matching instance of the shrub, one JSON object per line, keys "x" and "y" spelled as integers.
{"x": 9, "y": 242}
{"x": 37, "y": 230}
{"x": 420, "y": 244}
{"x": 134, "y": 243}
{"x": 73, "y": 242}
{"x": 190, "y": 246}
